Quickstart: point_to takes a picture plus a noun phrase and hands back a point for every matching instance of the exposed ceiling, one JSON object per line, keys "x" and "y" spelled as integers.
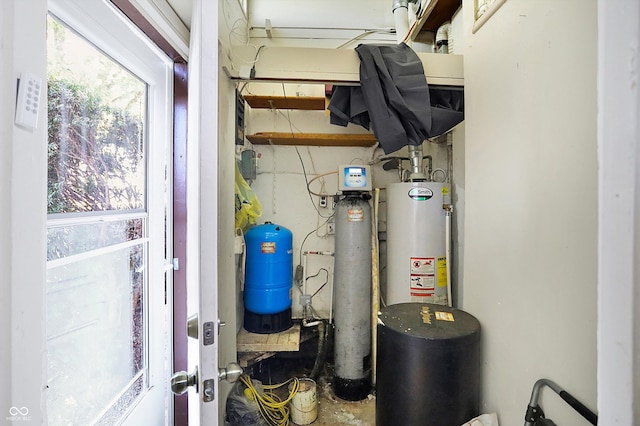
{"x": 329, "y": 14}
{"x": 182, "y": 9}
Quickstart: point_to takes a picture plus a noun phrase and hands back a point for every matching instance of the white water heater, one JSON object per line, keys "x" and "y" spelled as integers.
{"x": 416, "y": 251}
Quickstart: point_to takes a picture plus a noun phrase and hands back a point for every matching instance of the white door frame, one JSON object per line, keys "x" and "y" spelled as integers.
{"x": 23, "y": 177}
{"x": 619, "y": 212}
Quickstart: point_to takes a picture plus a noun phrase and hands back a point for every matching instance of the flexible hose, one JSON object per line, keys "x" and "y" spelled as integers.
{"x": 272, "y": 409}
{"x": 322, "y": 351}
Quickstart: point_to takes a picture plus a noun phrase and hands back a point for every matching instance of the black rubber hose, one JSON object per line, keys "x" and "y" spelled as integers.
{"x": 322, "y": 351}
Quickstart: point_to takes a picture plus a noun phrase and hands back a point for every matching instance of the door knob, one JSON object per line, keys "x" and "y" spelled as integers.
{"x": 181, "y": 381}
{"x": 231, "y": 373}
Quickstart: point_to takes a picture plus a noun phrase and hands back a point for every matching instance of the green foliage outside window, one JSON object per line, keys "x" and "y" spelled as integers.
{"x": 95, "y": 152}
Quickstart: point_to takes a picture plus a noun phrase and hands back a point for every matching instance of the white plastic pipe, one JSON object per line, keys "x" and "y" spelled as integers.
{"x": 401, "y": 19}
{"x": 443, "y": 39}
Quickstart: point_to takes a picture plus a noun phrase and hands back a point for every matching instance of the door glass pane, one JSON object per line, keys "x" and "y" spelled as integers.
{"x": 96, "y": 128}
{"x": 97, "y": 236}
{"x": 68, "y": 239}
{"x": 94, "y": 334}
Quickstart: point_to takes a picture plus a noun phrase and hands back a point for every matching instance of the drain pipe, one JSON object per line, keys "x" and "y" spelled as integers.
{"x": 401, "y": 18}
{"x": 443, "y": 42}
{"x": 321, "y": 354}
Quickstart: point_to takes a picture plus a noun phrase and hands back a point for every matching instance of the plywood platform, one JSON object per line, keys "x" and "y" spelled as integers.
{"x": 288, "y": 340}
{"x": 253, "y": 347}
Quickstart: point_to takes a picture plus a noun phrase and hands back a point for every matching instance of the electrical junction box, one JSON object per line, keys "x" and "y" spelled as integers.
{"x": 248, "y": 164}
{"x": 354, "y": 178}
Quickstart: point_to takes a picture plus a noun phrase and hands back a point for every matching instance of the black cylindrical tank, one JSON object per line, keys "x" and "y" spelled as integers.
{"x": 428, "y": 366}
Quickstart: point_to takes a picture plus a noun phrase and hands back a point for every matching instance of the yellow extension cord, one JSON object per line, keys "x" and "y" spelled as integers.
{"x": 272, "y": 408}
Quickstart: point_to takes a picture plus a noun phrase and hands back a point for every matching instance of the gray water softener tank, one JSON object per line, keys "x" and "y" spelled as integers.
{"x": 428, "y": 366}
{"x": 352, "y": 298}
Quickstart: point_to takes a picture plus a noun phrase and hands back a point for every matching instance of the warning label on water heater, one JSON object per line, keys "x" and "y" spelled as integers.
{"x": 423, "y": 276}
{"x": 423, "y": 266}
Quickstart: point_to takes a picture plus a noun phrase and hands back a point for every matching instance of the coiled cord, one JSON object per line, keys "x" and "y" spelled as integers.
{"x": 272, "y": 409}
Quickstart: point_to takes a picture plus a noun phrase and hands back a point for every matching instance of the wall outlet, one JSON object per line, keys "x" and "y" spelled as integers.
{"x": 323, "y": 201}
{"x": 331, "y": 228}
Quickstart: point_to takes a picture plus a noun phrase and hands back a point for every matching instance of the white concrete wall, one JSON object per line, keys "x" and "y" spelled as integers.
{"x": 530, "y": 258}
{"x": 22, "y": 218}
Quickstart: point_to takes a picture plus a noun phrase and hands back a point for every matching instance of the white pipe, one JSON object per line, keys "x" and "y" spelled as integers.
{"x": 447, "y": 251}
{"x": 444, "y": 43}
{"x": 401, "y": 19}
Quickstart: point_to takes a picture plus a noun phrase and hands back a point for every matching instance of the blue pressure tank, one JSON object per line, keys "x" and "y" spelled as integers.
{"x": 268, "y": 279}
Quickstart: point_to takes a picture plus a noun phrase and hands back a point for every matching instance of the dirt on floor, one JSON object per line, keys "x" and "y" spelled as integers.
{"x": 335, "y": 411}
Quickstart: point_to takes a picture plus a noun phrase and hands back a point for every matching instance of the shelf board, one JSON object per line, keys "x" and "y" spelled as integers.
{"x": 315, "y": 65}
{"x": 312, "y": 139}
{"x": 437, "y": 13}
{"x": 311, "y": 103}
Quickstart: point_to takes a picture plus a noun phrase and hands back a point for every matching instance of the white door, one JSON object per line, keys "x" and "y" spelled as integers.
{"x": 202, "y": 217}
{"x": 107, "y": 228}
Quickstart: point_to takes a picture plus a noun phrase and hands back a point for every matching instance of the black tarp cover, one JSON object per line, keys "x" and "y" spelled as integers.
{"x": 394, "y": 99}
